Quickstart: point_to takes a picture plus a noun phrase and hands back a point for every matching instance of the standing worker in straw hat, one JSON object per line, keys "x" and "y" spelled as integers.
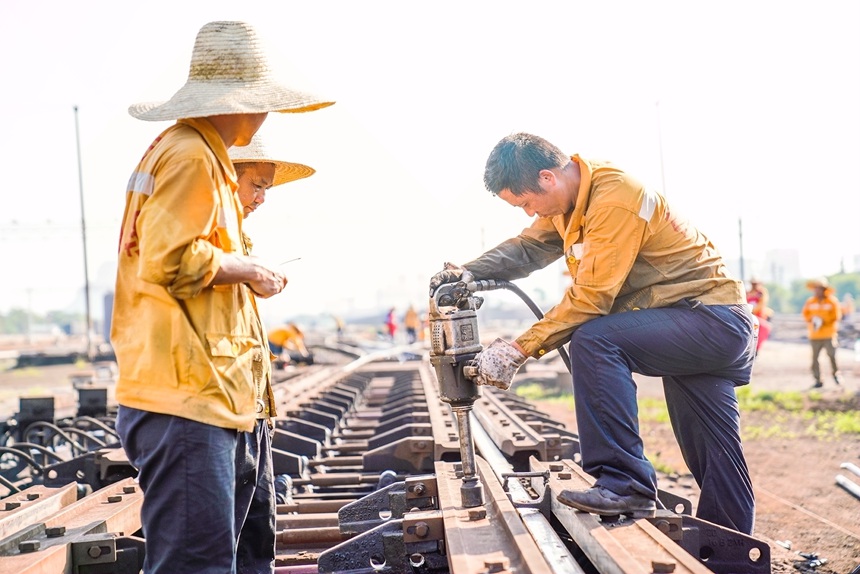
{"x": 189, "y": 342}
{"x": 822, "y": 313}
{"x": 256, "y": 173}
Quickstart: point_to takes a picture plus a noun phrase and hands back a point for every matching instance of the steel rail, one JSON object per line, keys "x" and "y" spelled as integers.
{"x": 354, "y": 444}
{"x": 45, "y": 547}
{"x": 554, "y": 550}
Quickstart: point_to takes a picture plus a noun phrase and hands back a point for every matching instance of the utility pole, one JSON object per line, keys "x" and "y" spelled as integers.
{"x": 660, "y": 147}
{"x": 29, "y": 315}
{"x": 741, "y": 241}
{"x": 84, "y": 237}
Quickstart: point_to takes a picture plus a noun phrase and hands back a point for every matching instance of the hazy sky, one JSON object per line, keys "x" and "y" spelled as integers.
{"x": 758, "y": 118}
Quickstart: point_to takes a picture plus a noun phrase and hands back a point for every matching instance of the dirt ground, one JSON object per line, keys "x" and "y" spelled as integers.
{"x": 793, "y": 461}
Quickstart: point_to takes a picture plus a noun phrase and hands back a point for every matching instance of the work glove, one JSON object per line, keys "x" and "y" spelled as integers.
{"x": 497, "y": 364}
{"x": 817, "y": 322}
{"x": 450, "y": 274}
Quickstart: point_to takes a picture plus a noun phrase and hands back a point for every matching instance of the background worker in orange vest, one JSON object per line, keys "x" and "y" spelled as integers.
{"x": 822, "y": 313}
{"x": 412, "y": 323}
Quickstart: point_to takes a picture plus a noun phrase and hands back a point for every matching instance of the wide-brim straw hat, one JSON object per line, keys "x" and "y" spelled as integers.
{"x": 229, "y": 74}
{"x": 818, "y": 282}
{"x": 256, "y": 152}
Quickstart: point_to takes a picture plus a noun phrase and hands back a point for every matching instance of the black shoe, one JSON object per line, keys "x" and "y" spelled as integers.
{"x": 817, "y": 385}
{"x": 836, "y": 380}
{"x": 600, "y": 500}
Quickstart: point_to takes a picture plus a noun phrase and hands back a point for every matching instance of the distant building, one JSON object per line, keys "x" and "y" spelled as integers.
{"x": 780, "y": 266}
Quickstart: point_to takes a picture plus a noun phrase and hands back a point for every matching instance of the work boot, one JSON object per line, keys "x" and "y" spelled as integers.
{"x": 600, "y": 500}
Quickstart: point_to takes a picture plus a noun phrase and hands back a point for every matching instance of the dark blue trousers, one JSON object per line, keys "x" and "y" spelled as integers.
{"x": 255, "y": 502}
{"x": 187, "y": 471}
{"x": 702, "y": 353}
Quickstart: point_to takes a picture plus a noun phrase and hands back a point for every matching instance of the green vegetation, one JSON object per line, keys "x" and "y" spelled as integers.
{"x": 770, "y": 401}
{"x": 783, "y": 414}
{"x": 661, "y": 466}
{"x": 539, "y": 392}
{"x": 653, "y": 410}
{"x": 791, "y": 299}
{"x": 19, "y": 322}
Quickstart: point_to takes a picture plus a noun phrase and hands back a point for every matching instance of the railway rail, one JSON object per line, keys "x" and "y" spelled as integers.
{"x": 368, "y": 473}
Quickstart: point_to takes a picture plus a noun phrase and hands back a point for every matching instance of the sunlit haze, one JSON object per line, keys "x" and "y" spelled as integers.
{"x": 738, "y": 111}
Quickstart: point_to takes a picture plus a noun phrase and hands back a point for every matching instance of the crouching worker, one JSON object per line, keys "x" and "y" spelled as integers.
{"x": 649, "y": 294}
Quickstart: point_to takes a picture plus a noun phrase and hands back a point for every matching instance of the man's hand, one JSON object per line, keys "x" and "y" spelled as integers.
{"x": 264, "y": 280}
{"x": 451, "y": 273}
{"x": 498, "y": 363}
{"x": 817, "y": 322}
{"x": 270, "y": 283}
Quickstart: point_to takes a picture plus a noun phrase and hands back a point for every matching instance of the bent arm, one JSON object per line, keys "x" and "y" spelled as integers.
{"x": 518, "y": 257}
{"x": 263, "y": 281}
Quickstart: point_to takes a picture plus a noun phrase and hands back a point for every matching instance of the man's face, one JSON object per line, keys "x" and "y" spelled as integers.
{"x": 249, "y": 124}
{"x": 553, "y": 200}
{"x": 255, "y": 179}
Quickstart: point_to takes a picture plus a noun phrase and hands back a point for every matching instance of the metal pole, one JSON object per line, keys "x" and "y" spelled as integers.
{"x": 660, "y": 145}
{"x": 741, "y": 241}
{"x": 84, "y": 237}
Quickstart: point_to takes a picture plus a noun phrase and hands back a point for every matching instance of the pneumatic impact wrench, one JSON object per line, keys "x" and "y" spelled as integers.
{"x": 454, "y": 343}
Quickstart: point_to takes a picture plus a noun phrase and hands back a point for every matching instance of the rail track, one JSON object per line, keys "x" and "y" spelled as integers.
{"x": 367, "y": 460}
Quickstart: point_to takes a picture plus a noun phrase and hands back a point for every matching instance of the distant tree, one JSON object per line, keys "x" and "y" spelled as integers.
{"x": 64, "y": 319}
{"x": 846, "y": 283}
{"x": 779, "y": 298}
{"x": 799, "y": 295}
{"x": 15, "y": 322}
{"x": 842, "y": 283}
{"x": 18, "y": 321}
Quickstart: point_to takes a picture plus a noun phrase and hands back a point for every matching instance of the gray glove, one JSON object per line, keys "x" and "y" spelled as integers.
{"x": 817, "y": 323}
{"x": 498, "y": 363}
{"x": 451, "y": 273}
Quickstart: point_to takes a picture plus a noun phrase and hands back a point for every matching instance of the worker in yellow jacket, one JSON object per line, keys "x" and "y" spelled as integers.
{"x": 190, "y": 346}
{"x": 256, "y": 528}
{"x": 822, "y": 313}
{"x": 650, "y": 294}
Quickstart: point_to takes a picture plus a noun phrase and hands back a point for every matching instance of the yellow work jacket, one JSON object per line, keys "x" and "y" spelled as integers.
{"x": 185, "y": 347}
{"x": 262, "y": 376}
{"x": 625, "y": 249}
{"x": 828, "y": 310}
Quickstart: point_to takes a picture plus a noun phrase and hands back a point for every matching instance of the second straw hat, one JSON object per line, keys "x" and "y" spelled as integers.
{"x": 229, "y": 74}
{"x": 256, "y": 152}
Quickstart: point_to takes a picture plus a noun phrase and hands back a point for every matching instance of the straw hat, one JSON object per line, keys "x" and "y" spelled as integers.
{"x": 229, "y": 74}
{"x": 256, "y": 152}
{"x": 817, "y": 282}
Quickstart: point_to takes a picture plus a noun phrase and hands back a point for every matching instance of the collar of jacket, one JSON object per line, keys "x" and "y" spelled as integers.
{"x": 213, "y": 139}
{"x": 572, "y": 221}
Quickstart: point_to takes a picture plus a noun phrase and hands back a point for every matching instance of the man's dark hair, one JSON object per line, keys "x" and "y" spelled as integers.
{"x": 240, "y": 168}
{"x": 516, "y": 161}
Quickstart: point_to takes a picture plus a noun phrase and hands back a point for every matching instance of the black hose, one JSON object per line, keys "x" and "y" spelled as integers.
{"x": 491, "y": 284}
